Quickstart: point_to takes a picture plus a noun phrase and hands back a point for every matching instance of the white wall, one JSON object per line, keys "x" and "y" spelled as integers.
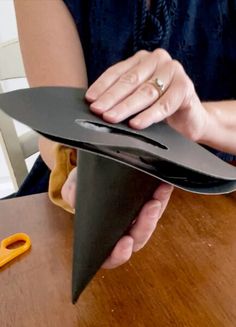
{"x": 8, "y": 30}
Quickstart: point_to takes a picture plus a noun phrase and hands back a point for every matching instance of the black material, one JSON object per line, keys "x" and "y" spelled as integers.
{"x": 61, "y": 114}
{"x": 119, "y": 168}
{"x": 37, "y": 179}
{"x": 109, "y": 197}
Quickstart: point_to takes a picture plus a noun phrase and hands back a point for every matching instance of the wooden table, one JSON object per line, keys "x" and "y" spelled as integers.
{"x": 185, "y": 276}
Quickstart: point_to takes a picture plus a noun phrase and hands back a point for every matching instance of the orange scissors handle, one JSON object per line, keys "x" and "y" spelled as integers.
{"x": 6, "y": 254}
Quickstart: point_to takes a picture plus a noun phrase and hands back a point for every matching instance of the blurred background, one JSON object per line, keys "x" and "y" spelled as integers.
{"x": 8, "y": 31}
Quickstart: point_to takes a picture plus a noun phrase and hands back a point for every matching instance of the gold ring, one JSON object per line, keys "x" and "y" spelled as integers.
{"x": 159, "y": 85}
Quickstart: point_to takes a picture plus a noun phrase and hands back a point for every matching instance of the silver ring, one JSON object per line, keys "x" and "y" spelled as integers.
{"x": 159, "y": 85}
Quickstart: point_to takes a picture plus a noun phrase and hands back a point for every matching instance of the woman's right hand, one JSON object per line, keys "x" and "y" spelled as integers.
{"x": 130, "y": 90}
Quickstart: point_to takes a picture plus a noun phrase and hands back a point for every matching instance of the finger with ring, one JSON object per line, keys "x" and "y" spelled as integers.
{"x": 159, "y": 85}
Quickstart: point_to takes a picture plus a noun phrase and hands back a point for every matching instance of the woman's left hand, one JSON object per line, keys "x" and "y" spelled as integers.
{"x": 150, "y": 86}
{"x": 140, "y": 231}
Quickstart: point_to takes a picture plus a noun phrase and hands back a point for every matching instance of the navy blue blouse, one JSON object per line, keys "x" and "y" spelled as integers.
{"x": 200, "y": 34}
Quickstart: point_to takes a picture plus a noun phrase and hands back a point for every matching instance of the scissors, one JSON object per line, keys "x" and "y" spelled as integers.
{"x": 7, "y": 254}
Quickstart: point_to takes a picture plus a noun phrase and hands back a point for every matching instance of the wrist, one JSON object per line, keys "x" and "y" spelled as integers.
{"x": 219, "y": 132}
{"x": 211, "y": 124}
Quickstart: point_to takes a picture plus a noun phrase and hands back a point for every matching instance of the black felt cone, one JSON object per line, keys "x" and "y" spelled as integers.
{"x": 109, "y": 197}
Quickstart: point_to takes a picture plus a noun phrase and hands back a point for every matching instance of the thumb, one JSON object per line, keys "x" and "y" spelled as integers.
{"x": 68, "y": 191}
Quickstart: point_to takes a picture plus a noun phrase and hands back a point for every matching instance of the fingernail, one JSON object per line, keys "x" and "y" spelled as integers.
{"x": 166, "y": 188}
{"x": 97, "y": 105}
{"x": 136, "y": 122}
{"x": 139, "y": 123}
{"x": 137, "y": 247}
{"x": 91, "y": 95}
{"x": 128, "y": 244}
{"x": 154, "y": 210}
{"x": 110, "y": 114}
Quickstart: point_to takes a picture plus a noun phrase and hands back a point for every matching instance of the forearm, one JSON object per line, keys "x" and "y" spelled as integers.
{"x": 51, "y": 50}
{"x": 220, "y": 129}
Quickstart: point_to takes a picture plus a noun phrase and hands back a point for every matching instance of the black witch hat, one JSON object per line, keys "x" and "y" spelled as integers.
{"x": 119, "y": 168}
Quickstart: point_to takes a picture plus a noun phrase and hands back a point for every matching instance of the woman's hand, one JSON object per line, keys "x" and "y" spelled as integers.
{"x": 142, "y": 228}
{"x": 153, "y": 87}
